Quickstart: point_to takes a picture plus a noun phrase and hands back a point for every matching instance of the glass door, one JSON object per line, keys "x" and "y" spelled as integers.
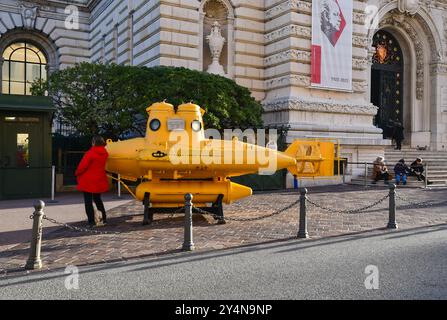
{"x": 22, "y": 174}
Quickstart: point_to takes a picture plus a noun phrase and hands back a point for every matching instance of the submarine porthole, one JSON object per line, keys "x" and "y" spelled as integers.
{"x": 196, "y": 125}
{"x": 155, "y": 124}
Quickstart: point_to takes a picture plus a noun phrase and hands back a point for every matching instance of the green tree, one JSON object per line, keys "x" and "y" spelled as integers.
{"x": 112, "y": 99}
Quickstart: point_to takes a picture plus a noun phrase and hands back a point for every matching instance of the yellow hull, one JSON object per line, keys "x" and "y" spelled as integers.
{"x": 171, "y": 193}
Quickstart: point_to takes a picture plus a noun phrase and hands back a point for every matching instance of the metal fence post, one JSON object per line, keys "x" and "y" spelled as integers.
{"x": 53, "y": 184}
{"x": 302, "y": 232}
{"x": 188, "y": 244}
{"x": 34, "y": 261}
{"x": 366, "y": 174}
{"x": 392, "y": 208}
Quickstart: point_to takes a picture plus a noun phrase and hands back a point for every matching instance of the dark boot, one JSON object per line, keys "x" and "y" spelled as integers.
{"x": 104, "y": 217}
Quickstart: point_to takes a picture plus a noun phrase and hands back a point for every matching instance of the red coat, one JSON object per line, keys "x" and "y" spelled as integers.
{"x": 91, "y": 172}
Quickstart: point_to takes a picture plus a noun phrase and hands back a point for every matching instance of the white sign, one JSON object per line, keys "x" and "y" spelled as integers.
{"x": 372, "y": 280}
{"x": 176, "y": 124}
{"x": 332, "y": 44}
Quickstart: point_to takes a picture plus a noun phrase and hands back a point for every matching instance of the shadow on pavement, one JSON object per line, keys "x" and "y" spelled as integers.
{"x": 122, "y": 225}
{"x": 176, "y": 257}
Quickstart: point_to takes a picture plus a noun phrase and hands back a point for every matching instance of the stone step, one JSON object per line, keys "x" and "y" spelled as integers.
{"x": 410, "y": 160}
{"x": 438, "y": 172}
{"x": 440, "y": 177}
{"x": 443, "y": 155}
{"x": 410, "y": 183}
{"x": 436, "y": 161}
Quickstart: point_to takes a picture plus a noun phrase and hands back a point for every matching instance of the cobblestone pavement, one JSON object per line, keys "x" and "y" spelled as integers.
{"x": 63, "y": 247}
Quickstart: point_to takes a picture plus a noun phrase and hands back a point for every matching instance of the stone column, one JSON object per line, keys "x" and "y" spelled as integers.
{"x": 438, "y": 108}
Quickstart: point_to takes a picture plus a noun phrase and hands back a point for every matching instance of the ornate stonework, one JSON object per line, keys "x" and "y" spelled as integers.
{"x": 290, "y": 30}
{"x": 303, "y": 56}
{"x": 296, "y": 5}
{"x": 410, "y": 7}
{"x": 289, "y": 80}
{"x": 399, "y": 20}
{"x": 216, "y": 43}
{"x": 323, "y": 106}
{"x": 29, "y": 16}
{"x": 289, "y": 55}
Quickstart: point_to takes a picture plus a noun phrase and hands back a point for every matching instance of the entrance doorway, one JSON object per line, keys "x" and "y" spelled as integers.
{"x": 24, "y": 171}
{"x": 387, "y": 83}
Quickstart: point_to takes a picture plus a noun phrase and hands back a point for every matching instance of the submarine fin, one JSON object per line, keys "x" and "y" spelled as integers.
{"x": 314, "y": 158}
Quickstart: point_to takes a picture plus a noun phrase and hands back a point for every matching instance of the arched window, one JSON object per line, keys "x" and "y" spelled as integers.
{"x": 23, "y": 64}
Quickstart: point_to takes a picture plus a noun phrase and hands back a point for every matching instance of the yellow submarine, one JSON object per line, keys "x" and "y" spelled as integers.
{"x": 175, "y": 158}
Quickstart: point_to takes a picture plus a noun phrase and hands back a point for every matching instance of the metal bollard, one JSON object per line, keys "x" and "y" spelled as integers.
{"x": 188, "y": 244}
{"x": 392, "y": 209}
{"x": 302, "y": 232}
{"x": 34, "y": 261}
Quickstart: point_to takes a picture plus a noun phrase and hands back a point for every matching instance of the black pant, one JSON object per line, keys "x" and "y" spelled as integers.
{"x": 398, "y": 144}
{"x": 385, "y": 176}
{"x": 418, "y": 174}
{"x": 88, "y": 200}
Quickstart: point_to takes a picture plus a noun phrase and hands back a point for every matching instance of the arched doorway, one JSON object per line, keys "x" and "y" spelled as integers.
{"x": 387, "y": 82}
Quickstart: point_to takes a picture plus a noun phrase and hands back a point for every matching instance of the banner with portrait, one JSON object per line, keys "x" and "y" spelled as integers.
{"x": 331, "y": 52}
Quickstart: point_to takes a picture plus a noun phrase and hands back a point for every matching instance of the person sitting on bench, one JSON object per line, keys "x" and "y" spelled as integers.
{"x": 417, "y": 170}
{"x": 401, "y": 170}
{"x": 380, "y": 171}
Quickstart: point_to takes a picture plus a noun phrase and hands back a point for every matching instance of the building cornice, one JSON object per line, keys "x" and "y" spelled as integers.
{"x": 81, "y": 4}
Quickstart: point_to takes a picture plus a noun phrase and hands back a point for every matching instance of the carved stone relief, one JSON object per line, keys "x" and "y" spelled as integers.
{"x": 401, "y": 21}
{"x": 410, "y": 7}
{"x": 29, "y": 16}
{"x": 301, "y": 104}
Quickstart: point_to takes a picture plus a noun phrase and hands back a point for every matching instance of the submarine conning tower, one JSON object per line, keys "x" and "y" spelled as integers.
{"x": 167, "y": 124}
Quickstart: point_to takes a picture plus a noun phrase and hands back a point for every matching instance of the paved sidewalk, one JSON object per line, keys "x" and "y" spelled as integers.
{"x": 15, "y": 225}
{"x": 63, "y": 247}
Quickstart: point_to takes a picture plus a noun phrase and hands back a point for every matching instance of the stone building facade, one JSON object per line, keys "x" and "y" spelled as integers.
{"x": 268, "y": 50}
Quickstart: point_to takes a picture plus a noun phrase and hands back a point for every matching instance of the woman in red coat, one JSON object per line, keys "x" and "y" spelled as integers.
{"x": 92, "y": 178}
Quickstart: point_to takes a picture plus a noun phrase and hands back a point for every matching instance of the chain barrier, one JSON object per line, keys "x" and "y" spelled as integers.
{"x": 350, "y": 211}
{"x": 428, "y": 203}
{"x": 97, "y": 232}
{"x": 74, "y": 228}
{"x": 203, "y": 212}
{"x": 179, "y": 210}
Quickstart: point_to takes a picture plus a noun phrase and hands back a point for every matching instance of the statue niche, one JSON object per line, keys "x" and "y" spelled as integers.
{"x": 215, "y": 33}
